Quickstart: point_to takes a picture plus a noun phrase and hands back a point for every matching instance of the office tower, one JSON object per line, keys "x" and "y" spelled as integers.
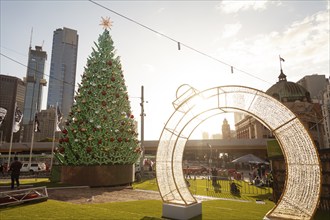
{"x": 33, "y": 94}
{"x": 12, "y": 90}
{"x": 63, "y": 69}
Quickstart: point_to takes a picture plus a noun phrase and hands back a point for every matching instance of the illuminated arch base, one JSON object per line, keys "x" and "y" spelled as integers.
{"x": 301, "y": 193}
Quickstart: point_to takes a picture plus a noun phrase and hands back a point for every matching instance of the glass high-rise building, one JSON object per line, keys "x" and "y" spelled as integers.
{"x": 63, "y": 69}
{"x": 34, "y": 82}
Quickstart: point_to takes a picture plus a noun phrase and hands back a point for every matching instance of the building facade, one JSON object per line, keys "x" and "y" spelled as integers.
{"x": 47, "y": 122}
{"x": 63, "y": 69}
{"x": 298, "y": 100}
{"x": 12, "y": 90}
{"x": 314, "y": 84}
{"x": 34, "y": 82}
{"x": 326, "y": 115}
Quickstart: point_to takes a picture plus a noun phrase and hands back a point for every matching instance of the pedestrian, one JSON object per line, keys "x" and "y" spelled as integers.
{"x": 2, "y": 170}
{"x": 15, "y": 168}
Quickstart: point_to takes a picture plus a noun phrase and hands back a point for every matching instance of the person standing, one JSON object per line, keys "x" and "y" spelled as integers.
{"x": 15, "y": 168}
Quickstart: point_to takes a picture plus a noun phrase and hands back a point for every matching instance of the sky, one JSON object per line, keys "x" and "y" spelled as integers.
{"x": 214, "y": 35}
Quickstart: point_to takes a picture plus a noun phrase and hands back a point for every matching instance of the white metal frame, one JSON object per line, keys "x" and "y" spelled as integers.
{"x": 302, "y": 188}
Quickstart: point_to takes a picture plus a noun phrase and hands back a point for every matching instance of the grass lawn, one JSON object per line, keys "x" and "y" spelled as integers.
{"x": 145, "y": 210}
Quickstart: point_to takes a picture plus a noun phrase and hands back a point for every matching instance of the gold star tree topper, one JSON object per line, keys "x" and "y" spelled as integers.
{"x": 106, "y": 23}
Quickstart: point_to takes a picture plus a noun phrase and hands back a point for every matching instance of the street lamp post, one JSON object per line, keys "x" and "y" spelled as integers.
{"x": 142, "y": 130}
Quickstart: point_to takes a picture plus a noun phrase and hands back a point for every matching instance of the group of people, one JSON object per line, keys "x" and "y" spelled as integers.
{"x": 259, "y": 177}
{"x": 14, "y": 170}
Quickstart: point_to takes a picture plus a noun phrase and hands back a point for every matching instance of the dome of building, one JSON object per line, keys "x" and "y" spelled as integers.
{"x": 285, "y": 91}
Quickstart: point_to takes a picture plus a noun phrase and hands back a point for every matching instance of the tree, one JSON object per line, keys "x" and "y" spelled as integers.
{"x": 100, "y": 129}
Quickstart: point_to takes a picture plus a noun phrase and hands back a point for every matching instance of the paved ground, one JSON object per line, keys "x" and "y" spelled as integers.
{"x": 101, "y": 195}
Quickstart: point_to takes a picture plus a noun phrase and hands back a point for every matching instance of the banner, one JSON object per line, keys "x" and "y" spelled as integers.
{"x": 36, "y": 123}
{"x": 17, "y": 119}
{"x": 3, "y": 113}
{"x": 273, "y": 149}
{"x": 58, "y": 117}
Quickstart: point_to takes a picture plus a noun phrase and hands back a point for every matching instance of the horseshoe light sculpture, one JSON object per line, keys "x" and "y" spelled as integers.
{"x": 302, "y": 188}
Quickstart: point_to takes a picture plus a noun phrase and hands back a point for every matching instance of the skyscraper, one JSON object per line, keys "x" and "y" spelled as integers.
{"x": 63, "y": 69}
{"x": 34, "y": 82}
{"x": 12, "y": 90}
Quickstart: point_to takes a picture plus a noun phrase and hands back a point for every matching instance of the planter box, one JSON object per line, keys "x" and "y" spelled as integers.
{"x": 98, "y": 175}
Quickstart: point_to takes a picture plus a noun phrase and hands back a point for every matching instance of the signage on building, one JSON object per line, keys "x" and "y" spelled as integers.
{"x": 273, "y": 149}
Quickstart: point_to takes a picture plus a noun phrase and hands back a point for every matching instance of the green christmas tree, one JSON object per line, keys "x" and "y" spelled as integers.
{"x": 100, "y": 129}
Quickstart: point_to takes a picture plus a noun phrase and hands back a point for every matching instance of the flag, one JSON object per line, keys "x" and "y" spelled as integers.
{"x": 36, "y": 124}
{"x": 58, "y": 117}
{"x": 17, "y": 119}
{"x": 281, "y": 59}
{"x": 3, "y": 113}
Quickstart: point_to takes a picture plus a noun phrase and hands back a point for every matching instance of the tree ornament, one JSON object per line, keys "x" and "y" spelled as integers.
{"x": 104, "y": 103}
{"x": 109, "y": 63}
{"x": 104, "y": 92}
{"x": 88, "y": 149}
{"x": 61, "y": 150}
{"x": 119, "y": 139}
{"x": 65, "y": 131}
{"x": 113, "y": 79}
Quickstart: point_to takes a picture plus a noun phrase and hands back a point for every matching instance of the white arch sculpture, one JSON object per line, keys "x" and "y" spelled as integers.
{"x": 301, "y": 193}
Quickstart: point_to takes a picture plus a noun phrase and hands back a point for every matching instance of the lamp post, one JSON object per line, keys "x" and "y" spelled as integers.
{"x": 210, "y": 159}
{"x": 142, "y": 130}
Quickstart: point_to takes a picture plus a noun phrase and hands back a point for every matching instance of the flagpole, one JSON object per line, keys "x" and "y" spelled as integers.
{"x": 54, "y": 133}
{"x": 11, "y": 136}
{"x": 32, "y": 138}
{"x": 280, "y": 61}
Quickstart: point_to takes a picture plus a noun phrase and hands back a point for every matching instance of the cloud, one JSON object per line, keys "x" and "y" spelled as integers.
{"x": 229, "y": 7}
{"x": 231, "y": 30}
{"x": 150, "y": 68}
{"x": 304, "y": 45}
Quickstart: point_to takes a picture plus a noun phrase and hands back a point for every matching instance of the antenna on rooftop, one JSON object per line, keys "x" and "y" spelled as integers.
{"x": 31, "y": 37}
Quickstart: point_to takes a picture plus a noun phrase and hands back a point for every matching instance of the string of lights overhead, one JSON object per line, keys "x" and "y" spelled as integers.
{"x": 179, "y": 44}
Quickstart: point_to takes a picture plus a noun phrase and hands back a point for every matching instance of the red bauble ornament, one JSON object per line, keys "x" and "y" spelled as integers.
{"x": 60, "y": 140}
{"x": 66, "y": 139}
{"x": 65, "y": 131}
{"x": 113, "y": 79}
{"x": 131, "y": 116}
{"x": 104, "y": 103}
{"x": 104, "y": 92}
{"x": 120, "y": 139}
{"x": 99, "y": 142}
{"x": 61, "y": 150}
{"x": 112, "y": 139}
{"x": 109, "y": 63}
{"x": 88, "y": 149}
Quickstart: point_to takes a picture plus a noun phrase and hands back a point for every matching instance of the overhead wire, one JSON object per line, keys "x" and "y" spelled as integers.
{"x": 179, "y": 43}
{"x": 37, "y": 71}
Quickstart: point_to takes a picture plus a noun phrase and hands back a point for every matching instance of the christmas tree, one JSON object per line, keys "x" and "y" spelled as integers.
{"x": 100, "y": 129}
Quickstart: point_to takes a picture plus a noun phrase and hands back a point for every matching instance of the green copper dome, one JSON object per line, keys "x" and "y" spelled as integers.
{"x": 285, "y": 91}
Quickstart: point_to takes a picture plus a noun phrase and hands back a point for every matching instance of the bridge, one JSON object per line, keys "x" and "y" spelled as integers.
{"x": 205, "y": 145}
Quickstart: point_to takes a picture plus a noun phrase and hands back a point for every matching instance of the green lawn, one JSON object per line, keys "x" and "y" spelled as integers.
{"x": 145, "y": 210}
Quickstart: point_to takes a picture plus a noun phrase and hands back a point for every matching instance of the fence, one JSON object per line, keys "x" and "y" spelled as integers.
{"x": 219, "y": 187}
